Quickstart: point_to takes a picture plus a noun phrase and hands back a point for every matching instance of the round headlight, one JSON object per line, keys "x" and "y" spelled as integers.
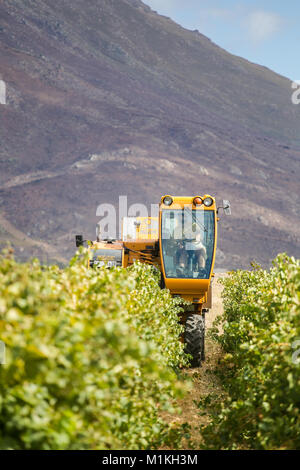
{"x": 167, "y": 201}
{"x": 208, "y": 201}
{"x": 197, "y": 201}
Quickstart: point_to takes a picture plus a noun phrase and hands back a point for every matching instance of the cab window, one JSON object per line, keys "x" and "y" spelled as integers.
{"x": 187, "y": 238}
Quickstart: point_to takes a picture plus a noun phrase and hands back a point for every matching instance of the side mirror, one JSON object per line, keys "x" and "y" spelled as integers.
{"x": 79, "y": 240}
{"x": 226, "y": 207}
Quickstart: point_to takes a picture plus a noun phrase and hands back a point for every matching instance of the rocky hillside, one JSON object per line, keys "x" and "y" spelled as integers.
{"x": 107, "y": 98}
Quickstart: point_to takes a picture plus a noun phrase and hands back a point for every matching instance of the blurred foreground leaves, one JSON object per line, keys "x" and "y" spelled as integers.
{"x": 261, "y": 368}
{"x": 91, "y": 357}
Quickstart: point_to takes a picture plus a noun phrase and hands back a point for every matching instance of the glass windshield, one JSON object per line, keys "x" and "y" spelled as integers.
{"x": 108, "y": 258}
{"x": 188, "y": 242}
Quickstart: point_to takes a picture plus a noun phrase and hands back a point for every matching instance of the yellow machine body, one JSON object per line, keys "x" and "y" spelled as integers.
{"x": 181, "y": 243}
{"x": 143, "y": 240}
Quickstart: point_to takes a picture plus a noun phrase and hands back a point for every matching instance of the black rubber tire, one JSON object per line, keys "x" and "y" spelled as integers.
{"x": 203, "y": 339}
{"x": 162, "y": 284}
{"x": 194, "y": 338}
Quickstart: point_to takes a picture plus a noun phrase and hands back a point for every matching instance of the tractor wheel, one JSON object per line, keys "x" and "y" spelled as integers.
{"x": 194, "y": 338}
{"x": 203, "y": 338}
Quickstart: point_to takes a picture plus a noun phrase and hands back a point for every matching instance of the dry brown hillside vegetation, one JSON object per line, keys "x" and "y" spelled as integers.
{"x": 108, "y": 98}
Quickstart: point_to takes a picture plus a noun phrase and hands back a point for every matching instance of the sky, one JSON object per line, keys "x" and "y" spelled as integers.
{"x": 266, "y": 32}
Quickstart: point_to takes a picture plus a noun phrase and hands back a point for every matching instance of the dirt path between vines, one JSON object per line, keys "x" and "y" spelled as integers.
{"x": 204, "y": 380}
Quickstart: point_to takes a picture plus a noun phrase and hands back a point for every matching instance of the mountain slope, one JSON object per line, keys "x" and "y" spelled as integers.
{"x": 107, "y": 98}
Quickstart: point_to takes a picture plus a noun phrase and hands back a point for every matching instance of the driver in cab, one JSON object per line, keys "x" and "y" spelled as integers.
{"x": 189, "y": 244}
